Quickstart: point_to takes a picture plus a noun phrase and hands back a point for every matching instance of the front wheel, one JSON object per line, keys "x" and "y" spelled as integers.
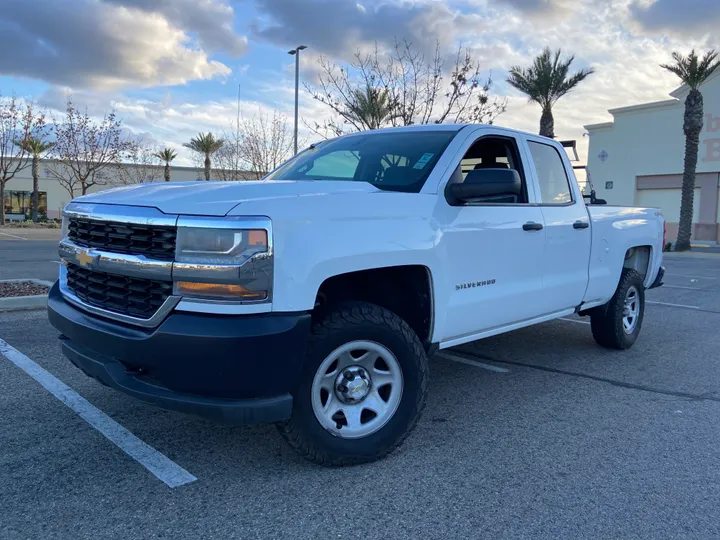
{"x": 616, "y": 325}
{"x": 362, "y": 388}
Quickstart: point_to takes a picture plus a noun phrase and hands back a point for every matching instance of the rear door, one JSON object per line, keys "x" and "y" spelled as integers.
{"x": 492, "y": 251}
{"x": 567, "y": 226}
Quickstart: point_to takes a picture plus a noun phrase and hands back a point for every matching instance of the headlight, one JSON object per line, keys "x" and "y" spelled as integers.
{"x": 222, "y": 260}
{"x": 219, "y": 246}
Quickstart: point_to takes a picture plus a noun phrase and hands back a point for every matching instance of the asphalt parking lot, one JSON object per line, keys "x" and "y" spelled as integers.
{"x": 29, "y": 253}
{"x": 534, "y": 434}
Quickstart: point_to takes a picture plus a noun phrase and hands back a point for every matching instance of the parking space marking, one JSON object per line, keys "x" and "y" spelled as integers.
{"x": 672, "y": 305}
{"x": 684, "y": 288}
{"x": 690, "y": 277}
{"x": 574, "y": 320}
{"x": 13, "y": 236}
{"x": 480, "y": 365}
{"x": 157, "y": 463}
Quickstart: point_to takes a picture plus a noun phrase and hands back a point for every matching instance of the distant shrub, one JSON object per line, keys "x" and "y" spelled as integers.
{"x": 52, "y": 224}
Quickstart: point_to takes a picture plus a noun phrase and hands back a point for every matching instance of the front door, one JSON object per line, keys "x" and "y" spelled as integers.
{"x": 493, "y": 251}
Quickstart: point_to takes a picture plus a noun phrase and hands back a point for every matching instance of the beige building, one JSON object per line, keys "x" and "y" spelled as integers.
{"x": 638, "y": 159}
{"x": 53, "y": 196}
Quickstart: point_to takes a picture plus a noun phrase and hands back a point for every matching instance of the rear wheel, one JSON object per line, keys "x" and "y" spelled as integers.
{"x": 617, "y": 324}
{"x": 362, "y": 388}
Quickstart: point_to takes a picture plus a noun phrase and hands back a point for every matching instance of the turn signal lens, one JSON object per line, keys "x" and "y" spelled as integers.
{"x": 218, "y": 291}
{"x": 257, "y": 238}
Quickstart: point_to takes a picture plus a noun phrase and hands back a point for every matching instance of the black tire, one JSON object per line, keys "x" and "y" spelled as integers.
{"x": 607, "y": 321}
{"x": 346, "y": 323}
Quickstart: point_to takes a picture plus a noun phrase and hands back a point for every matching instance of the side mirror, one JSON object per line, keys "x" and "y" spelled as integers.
{"x": 594, "y": 199}
{"x": 487, "y": 185}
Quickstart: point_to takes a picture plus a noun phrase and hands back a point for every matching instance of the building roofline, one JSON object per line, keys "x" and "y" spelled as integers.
{"x": 160, "y": 165}
{"x": 666, "y": 104}
{"x": 598, "y": 127}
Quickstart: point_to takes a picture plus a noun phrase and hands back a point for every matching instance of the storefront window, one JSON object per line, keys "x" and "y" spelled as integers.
{"x": 20, "y": 202}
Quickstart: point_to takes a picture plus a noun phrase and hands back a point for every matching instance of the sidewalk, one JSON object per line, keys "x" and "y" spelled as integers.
{"x": 694, "y": 254}
{"x": 705, "y": 248}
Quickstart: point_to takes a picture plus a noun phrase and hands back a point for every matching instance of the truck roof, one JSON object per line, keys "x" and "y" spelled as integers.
{"x": 439, "y": 127}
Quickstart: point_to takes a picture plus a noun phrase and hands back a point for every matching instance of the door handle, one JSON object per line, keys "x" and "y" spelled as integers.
{"x": 581, "y": 225}
{"x": 532, "y": 226}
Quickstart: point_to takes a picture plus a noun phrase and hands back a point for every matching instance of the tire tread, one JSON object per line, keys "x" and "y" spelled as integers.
{"x": 604, "y": 322}
{"x": 357, "y": 313}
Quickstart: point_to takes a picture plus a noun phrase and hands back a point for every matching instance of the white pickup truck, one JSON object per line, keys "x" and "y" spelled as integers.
{"x": 313, "y": 298}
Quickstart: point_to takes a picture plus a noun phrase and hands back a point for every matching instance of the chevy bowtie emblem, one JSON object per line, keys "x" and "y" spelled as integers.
{"x": 85, "y": 259}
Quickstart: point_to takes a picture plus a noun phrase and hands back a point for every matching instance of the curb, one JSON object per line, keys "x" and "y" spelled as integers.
{"x": 24, "y": 303}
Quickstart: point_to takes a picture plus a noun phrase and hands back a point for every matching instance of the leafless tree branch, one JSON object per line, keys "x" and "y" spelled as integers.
{"x": 18, "y": 122}
{"x": 86, "y": 151}
{"x": 418, "y": 88}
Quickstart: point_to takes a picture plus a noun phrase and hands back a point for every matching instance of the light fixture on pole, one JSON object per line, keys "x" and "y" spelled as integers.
{"x": 296, "y": 53}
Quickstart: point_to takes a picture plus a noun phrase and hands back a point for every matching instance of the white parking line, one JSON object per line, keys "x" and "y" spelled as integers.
{"x": 665, "y": 286}
{"x": 157, "y": 463}
{"x": 13, "y": 236}
{"x": 690, "y": 277}
{"x": 672, "y": 305}
{"x": 480, "y": 365}
{"x": 574, "y": 320}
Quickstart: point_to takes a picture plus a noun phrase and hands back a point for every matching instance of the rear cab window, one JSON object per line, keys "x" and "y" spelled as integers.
{"x": 553, "y": 179}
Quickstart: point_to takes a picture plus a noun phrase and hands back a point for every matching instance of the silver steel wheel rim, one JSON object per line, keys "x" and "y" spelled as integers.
{"x": 356, "y": 408}
{"x": 631, "y": 310}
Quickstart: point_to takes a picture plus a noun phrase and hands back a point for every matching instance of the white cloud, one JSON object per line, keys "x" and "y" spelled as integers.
{"x": 116, "y": 44}
{"x": 211, "y": 20}
{"x": 93, "y": 44}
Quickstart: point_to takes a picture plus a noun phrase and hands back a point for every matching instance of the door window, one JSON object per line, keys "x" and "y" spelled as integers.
{"x": 553, "y": 179}
{"x": 492, "y": 153}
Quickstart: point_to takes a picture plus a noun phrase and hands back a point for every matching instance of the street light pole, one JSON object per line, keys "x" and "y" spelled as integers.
{"x": 296, "y": 53}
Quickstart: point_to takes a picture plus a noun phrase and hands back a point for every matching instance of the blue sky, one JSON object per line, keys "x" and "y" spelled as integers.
{"x": 171, "y": 68}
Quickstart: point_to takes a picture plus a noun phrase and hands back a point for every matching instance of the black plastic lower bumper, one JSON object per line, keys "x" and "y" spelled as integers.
{"x": 659, "y": 279}
{"x": 238, "y": 369}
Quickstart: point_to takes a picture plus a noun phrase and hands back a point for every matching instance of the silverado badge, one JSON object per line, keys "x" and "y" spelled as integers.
{"x": 474, "y": 284}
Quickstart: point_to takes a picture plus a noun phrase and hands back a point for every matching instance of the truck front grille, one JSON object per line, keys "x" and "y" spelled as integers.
{"x": 154, "y": 241}
{"x": 120, "y": 294}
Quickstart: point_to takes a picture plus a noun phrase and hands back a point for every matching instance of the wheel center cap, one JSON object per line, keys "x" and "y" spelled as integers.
{"x": 353, "y": 384}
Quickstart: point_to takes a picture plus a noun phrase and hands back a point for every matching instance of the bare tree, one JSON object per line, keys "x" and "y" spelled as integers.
{"x": 18, "y": 122}
{"x": 86, "y": 151}
{"x": 140, "y": 164}
{"x": 229, "y": 163}
{"x": 260, "y": 144}
{"x": 411, "y": 87}
{"x": 267, "y": 141}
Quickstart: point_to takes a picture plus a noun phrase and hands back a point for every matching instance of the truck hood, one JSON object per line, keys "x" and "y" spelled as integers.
{"x": 218, "y": 198}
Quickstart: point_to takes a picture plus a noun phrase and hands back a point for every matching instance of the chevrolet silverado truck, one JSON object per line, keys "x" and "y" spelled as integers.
{"x": 313, "y": 298}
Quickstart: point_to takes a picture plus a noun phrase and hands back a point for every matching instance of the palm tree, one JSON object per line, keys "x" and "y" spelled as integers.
{"x": 370, "y": 107}
{"x": 693, "y": 71}
{"x": 545, "y": 82}
{"x": 34, "y": 146}
{"x": 166, "y": 155}
{"x": 207, "y": 144}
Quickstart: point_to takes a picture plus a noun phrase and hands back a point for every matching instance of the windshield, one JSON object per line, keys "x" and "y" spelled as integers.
{"x": 399, "y": 161}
